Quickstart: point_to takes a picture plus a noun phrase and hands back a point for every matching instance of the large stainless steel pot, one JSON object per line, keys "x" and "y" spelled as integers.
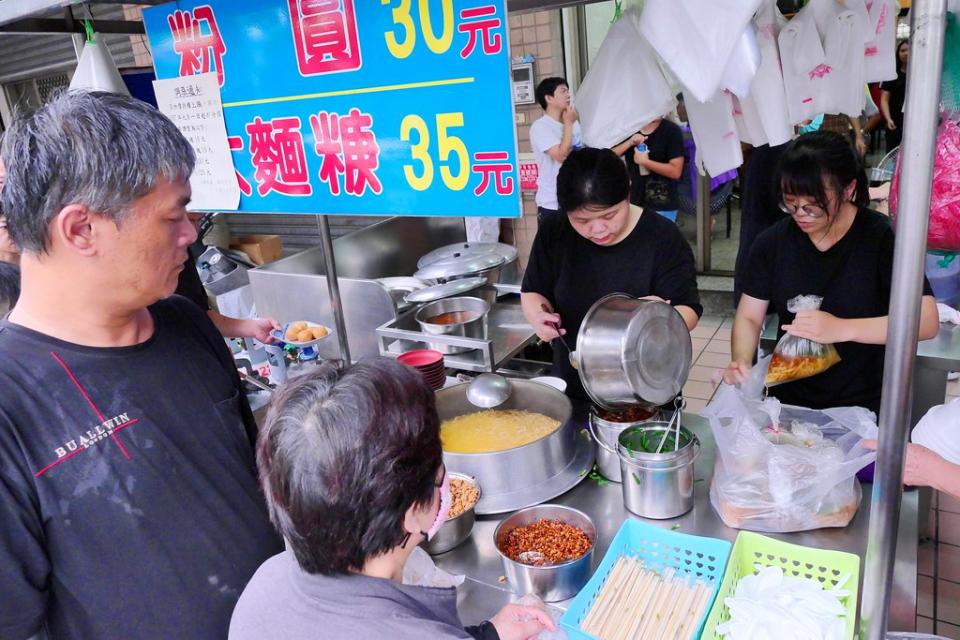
{"x": 475, "y": 327}
{"x": 527, "y": 475}
{"x": 633, "y": 351}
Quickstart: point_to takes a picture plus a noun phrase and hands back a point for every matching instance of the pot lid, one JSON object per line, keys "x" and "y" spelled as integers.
{"x": 445, "y": 290}
{"x": 460, "y": 265}
{"x": 657, "y": 352}
{"x": 465, "y": 249}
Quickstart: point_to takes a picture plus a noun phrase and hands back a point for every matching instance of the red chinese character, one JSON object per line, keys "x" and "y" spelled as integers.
{"x": 236, "y": 144}
{"x": 326, "y": 131}
{"x": 201, "y": 50}
{"x": 276, "y": 149}
{"x": 360, "y": 153}
{"x": 325, "y": 36}
{"x": 473, "y": 21}
{"x": 497, "y": 167}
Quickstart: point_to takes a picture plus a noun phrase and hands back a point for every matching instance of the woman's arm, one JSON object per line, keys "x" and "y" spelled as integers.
{"x": 926, "y": 468}
{"x": 532, "y": 305}
{"x": 885, "y": 109}
{"x": 826, "y": 328}
{"x": 672, "y": 169}
{"x": 747, "y": 324}
{"x": 632, "y": 141}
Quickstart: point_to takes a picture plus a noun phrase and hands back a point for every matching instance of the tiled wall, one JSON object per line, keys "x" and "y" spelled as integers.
{"x": 538, "y": 34}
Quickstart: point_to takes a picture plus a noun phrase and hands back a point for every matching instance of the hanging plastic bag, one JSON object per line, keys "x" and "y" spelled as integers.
{"x": 96, "y": 70}
{"x": 943, "y": 232}
{"x": 796, "y": 358}
{"x": 781, "y": 468}
{"x": 938, "y": 430}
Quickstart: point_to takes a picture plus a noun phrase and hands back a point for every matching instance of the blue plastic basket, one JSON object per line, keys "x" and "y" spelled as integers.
{"x": 659, "y": 549}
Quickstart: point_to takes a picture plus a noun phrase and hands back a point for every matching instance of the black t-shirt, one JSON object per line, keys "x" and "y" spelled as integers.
{"x": 128, "y": 486}
{"x": 854, "y": 278}
{"x": 898, "y": 93}
{"x": 190, "y": 287}
{"x": 573, "y": 273}
{"x": 664, "y": 145}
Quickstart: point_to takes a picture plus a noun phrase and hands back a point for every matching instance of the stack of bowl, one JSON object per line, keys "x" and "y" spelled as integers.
{"x": 430, "y": 365}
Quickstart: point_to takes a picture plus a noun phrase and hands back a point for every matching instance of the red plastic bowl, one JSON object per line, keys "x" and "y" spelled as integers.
{"x": 420, "y": 357}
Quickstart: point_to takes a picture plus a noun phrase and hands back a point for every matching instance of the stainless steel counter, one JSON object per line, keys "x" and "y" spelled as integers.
{"x": 483, "y": 594}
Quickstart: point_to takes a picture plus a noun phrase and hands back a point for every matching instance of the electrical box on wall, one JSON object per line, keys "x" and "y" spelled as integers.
{"x": 523, "y": 87}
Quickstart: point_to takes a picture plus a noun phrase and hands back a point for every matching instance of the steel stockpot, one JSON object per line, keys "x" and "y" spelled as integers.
{"x": 530, "y": 474}
{"x": 606, "y": 427}
{"x": 633, "y": 351}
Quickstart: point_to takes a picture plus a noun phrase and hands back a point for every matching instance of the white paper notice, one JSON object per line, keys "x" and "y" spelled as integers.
{"x": 193, "y": 104}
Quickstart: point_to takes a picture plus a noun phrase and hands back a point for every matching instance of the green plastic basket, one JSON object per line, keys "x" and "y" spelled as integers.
{"x": 753, "y": 549}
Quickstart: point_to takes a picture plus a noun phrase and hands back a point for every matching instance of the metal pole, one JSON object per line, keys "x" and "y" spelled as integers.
{"x": 702, "y": 256}
{"x": 333, "y": 287}
{"x": 921, "y": 117}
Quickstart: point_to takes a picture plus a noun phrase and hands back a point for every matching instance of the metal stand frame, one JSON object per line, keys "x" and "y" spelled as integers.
{"x": 928, "y": 22}
{"x": 333, "y": 286}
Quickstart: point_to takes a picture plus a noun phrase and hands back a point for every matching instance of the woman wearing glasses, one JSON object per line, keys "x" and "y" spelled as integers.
{"x": 830, "y": 245}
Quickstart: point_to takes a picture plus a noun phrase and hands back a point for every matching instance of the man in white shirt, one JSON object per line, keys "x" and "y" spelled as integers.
{"x": 552, "y": 137}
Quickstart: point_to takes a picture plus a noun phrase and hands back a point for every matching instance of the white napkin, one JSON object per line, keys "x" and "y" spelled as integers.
{"x": 948, "y": 314}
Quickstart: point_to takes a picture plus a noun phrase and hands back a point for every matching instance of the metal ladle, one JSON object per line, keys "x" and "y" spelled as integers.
{"x": 488, "y": 390}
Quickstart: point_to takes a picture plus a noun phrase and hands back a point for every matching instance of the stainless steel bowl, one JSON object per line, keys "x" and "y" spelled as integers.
{"x": 551, "y": 583}
{"x": 457, "y": 529}
{"x": 474, "y": 328}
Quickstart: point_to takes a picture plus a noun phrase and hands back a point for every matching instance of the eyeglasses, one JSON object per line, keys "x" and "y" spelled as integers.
{"x": 807, "y": 211}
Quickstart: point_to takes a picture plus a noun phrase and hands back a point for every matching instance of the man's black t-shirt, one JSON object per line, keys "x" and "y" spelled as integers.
{"x": 854, "y": 278}
{"x": 128, "y": 485}
{"x": 573, "y": 273}
{"x": 664, "y": 145}
{"x": 190, "y": 286}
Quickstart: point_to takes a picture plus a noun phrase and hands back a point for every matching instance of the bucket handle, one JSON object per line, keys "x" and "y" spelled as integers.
{"x": 596, "y": 438}
{"x": 632, "y": 462}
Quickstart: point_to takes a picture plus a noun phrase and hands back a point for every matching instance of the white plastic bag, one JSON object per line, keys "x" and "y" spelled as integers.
{"x": 781, "y": 468}
{"x": 625, "y": 88}
{"x": 939, "y": 431}
{"x": 96, "y": 71}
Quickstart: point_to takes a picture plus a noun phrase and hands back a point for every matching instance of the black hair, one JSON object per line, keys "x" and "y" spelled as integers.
{"x": 343, "y": 455}
{"x": 546, "y": 88}
{"x": 818, "y": 160}
{"x": 9, "y": 284}
{"x": 593, "y": 178}
{"x": 896, "y": 50}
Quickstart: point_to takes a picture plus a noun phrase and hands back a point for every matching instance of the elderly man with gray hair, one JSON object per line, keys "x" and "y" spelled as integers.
{"x": 127, "y": 478}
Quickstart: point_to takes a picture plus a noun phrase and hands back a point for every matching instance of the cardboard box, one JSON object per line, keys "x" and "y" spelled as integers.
{"x": 261, "y": 249}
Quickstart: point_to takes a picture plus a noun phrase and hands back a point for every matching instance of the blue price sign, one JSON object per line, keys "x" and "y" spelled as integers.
{"x": 379, "y": 107}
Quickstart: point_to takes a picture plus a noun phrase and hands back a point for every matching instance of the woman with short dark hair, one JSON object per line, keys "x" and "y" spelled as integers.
{"x": 602, "y": 245}
{"x": 830, "y": 245}
{"x": 352, "y": 470}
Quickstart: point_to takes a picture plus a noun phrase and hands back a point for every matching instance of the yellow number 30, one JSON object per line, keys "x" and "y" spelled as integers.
{"x": 404, "y": 21}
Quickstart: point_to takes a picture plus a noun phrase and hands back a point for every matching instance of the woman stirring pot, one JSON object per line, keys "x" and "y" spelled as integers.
{"x": 602, "y": 245}
{"x": 832, "y": 246}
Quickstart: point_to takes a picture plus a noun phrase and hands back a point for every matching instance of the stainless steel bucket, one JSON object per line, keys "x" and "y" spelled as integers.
{"x": 657, "y": 485}
{"x": 474, "y": 328}
{"x": 633, "y": 351}
{"x": 605, "y": 433}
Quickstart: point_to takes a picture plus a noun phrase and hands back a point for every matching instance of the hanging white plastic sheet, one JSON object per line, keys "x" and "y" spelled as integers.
{"x": 714, "y": 132}
{"x": 625, "y": 87}
{"x": 696, "y": 39}
{"x": 96, "y": 71}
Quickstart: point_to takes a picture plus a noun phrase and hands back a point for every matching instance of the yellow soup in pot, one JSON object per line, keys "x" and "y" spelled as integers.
{"x": 494, "y": 430}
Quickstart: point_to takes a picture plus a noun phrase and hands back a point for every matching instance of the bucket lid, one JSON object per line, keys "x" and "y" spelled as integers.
{"x": 445, "y": 290}
{"x": 463, "y": 249}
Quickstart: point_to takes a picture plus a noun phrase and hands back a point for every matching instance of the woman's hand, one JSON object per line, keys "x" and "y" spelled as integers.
{"x": 654, "y": 299}
{"x": 260, "y": 329}
{"x": 736, "y": 372}
{"x": 641, "y": 159}
{"x": 891, "y": 125}
{"x": 545, "y": 323}
{"x": 518, "y": 622}
{"x": 819, "y": 326}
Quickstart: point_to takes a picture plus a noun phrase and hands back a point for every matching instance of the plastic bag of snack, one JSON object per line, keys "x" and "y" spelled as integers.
{"x": 781, "y": 468}
{"x": 795, "y": 358}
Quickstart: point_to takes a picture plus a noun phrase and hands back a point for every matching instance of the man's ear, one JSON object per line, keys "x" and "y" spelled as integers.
{"x": 74, "y": 229}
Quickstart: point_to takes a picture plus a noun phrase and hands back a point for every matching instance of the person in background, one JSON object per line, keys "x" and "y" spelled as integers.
{"x": 830, "y": 245}
{"x": 190, "y": 286}
{"x": 552, "y": 137}
{"x": 602, "y": 245}
{"x": 655, "y": 174}
{"x": 129, "y": 494}
{"x": 352, "y": 469}
{"x": 8, "y": 248}
{"x": 9, "y": 286}
{"x": 849, "y": 128}
{"x": 892, "y": 96}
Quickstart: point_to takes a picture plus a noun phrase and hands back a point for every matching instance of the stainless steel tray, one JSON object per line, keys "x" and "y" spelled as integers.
{"x": 507, "y": 334}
